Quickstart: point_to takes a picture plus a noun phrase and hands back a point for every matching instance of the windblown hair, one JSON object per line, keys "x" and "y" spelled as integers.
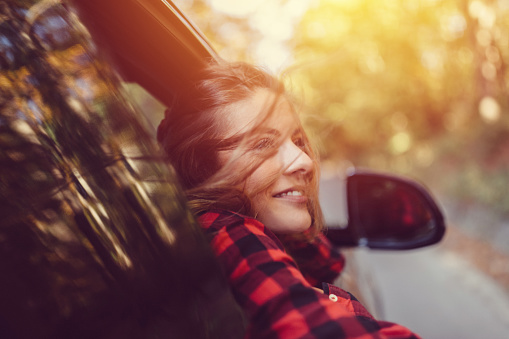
{"x": 191, "y": 135}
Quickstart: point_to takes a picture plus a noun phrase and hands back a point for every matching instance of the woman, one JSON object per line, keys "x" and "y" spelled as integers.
{"x": 251, "y": 176}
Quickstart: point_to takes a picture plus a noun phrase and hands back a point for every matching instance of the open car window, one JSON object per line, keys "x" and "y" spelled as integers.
{"x": 145, "y": 104}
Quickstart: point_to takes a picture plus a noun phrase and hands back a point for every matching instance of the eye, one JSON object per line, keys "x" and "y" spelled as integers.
{"x": 264, "y": 143}
{"x": 299, "y": 141}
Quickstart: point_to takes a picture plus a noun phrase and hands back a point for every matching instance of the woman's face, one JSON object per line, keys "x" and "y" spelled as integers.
{"x": 282, "y": 206}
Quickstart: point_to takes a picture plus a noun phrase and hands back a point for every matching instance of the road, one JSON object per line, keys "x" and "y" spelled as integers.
{"x": 433, "y": 291}
{"x": 437, "y": 294}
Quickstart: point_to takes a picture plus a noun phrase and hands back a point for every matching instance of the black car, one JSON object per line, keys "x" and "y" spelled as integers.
{"x": 96, "y": 240}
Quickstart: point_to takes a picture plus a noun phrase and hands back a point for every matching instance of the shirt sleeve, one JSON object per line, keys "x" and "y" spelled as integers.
{"x": 318, "y": 260}
{"x": 277, "y": 299}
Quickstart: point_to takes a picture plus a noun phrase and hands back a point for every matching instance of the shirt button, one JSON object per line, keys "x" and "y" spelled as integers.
{"x": 333, "y": 297}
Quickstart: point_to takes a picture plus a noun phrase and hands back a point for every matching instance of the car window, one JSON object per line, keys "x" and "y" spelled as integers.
{"x": 145, "y": 103}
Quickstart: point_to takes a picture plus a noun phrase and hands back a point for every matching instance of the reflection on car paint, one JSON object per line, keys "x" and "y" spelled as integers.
{"x": 95, "y": 238}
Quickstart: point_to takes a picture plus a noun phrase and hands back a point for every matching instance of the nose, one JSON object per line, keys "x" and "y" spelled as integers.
{"x": 295, "y": 160}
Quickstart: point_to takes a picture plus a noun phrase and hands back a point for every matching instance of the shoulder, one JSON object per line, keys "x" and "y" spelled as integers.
{"x": 216, "y": 219}
{"x": 236, "y": 227}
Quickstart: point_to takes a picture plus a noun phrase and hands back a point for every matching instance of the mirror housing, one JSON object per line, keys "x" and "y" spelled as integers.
{"x": 388, "y": 212}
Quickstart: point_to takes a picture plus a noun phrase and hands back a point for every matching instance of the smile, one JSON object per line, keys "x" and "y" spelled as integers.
{"x": 289, "y": 193}
{"x": 293, "y": 196}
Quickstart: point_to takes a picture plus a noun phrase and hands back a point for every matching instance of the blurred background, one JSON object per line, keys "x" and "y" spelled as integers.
{"x": 413, "y": 87}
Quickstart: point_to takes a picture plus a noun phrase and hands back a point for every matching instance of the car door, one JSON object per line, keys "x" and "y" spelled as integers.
{"x": 95, "y": 240}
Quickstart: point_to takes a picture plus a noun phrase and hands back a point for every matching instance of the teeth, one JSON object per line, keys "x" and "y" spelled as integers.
{"x": 294, "y": 193}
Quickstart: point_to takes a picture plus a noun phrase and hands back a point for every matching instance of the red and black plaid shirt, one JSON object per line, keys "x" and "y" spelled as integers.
{"x": 277, "y": 299}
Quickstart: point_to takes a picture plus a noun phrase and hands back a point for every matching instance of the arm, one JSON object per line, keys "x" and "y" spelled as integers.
{"x": 279, "y": 302}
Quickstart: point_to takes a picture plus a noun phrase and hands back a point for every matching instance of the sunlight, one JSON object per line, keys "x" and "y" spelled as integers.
{"x": 503, "y": 4}
{"x": 273, "y": 55}
{"x": 484, "y": 14}
{"x": 400, "y": 143}
{"x": 234, "y": 7}
{"x": 344, "y": 3}
{"x": 274, "y": 20}
{"x": 489, "y": 109}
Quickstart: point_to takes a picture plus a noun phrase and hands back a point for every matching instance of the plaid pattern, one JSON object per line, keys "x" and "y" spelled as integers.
{"x": 318, "y": 260}
{"x": 275, "y": 296}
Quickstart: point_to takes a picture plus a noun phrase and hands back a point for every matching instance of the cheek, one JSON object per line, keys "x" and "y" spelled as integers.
{"x": 261, "y": 180}
{"x": 223, "y": 157}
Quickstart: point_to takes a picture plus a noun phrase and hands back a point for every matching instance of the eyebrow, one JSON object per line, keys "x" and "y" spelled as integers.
{"x": 233, "y": 142}
{"x": 271, "y": 131}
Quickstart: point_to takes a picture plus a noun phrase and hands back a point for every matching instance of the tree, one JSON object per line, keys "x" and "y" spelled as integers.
{"x": 410, "y": 86}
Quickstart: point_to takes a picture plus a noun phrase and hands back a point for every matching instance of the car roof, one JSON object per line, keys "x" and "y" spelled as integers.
{"x": 150, "y": 41}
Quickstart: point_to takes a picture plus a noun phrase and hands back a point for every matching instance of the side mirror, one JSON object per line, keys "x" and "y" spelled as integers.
{"x": 388, "y": 212}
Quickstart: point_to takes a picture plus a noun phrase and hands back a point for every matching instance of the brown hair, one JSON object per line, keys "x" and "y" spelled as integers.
{"x": 191, "y": 136}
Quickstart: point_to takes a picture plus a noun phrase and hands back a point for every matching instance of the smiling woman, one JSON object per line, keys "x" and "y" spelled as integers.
{"x": 283, "y": 204}
{"x": 238, "y": 144}
{"x": 250, "y": 174}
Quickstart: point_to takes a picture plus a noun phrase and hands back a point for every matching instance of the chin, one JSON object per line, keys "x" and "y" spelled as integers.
{"x": 303, "y": 228}
{"x": 301, "y": 224}
{"x": 291, "y": 228}
{"x": 286, "y": 221}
